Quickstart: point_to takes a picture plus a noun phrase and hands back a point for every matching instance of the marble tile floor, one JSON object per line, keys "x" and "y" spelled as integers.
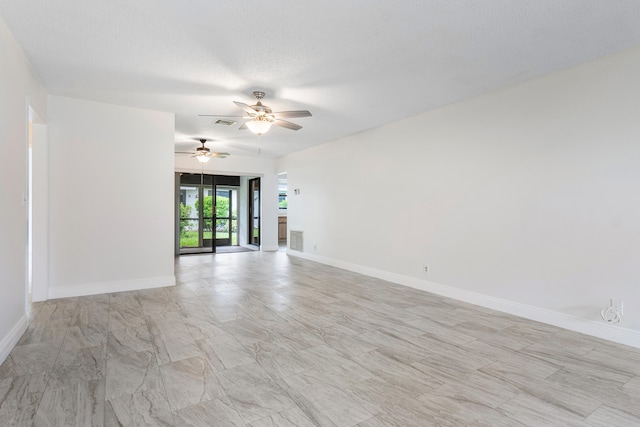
{"x": 263, "y": 339}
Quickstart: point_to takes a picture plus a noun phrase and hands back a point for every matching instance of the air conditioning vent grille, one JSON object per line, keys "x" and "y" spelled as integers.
{"x": 296, "y": 242}
{"x": 225, "y": 122}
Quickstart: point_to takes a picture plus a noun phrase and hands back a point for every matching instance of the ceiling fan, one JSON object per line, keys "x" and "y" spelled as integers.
{"x": 261, "y": 117}
{"x": 203, "y": 154}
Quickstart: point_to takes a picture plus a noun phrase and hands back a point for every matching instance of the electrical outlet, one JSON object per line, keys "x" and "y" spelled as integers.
{"x": 618, "y": 304}
{"x": 613, "y": 312}
{"x": 315, "y": 246}
{"x": 425, "y": 269}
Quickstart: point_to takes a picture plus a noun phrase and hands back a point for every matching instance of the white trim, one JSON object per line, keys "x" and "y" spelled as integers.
{"x": 39, "y": 212}
{"x": 269, "y": 248}
{"x": 594, "y": 328}
{"x": 108, "y": 287}
{"x": 12, "y": 338}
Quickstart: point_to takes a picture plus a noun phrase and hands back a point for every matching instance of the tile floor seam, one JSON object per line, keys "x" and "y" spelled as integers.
{"x": 162, "y": 379}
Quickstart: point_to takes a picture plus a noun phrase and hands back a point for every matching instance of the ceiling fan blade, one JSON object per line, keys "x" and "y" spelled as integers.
{"x": 220, "y": 155}
{"x": 246, "y": 108}
{"x": 292, "y": 114}
{"x": 244, "y": 126}
{"x": 286, "y": 124}
{"x": 183, "y": 152}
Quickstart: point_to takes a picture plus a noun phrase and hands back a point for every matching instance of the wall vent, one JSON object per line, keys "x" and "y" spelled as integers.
{"x": 296, "y": 241}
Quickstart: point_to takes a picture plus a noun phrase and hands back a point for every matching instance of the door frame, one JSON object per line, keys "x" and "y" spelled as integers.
{"x": 234, "y": 191}
{"x": 200, "y": 188}
{"x": 251, "y": 235}
{"x": 205, "y": 181}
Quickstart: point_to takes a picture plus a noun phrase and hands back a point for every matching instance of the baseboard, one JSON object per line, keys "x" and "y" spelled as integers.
{"x": 594, "y": 328}
{"x": 269, "y": 248}
{"x": 108, "y": 287}
{"x": 11, "y": 339}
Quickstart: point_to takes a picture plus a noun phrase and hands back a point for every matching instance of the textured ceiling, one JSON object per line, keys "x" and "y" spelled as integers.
{"x": 354, "y": 64}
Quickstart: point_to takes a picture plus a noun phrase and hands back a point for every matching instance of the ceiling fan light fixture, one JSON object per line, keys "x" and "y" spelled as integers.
{"x": 259, "y": 125}
{"x": 202, "y": 157}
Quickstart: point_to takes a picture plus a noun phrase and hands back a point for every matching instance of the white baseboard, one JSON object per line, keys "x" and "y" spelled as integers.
{"x": 594, "y": 328}
{"x": 269, "y": 248}
{"x": 11, "y": 339}
{"x": 108, "y": 287}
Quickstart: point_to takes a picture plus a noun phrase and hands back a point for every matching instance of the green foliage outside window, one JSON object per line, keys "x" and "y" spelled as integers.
{"x": 185, "y": 212}
{"x": 222, "y": 210}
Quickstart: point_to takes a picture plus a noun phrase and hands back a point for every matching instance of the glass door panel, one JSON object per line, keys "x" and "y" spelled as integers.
{"x": 196, "y": 213}
{"x": 234, "y": 217}
{"x": 189, "y": 221}
{"x": 223, "y": 217}
{"x": 208, "y": 214}
{"x": 254, "y": 211}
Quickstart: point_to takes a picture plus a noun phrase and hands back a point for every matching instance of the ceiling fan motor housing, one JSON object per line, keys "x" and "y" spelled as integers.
{"x": 203, "y": 149}
{"x": 260, "y": 109}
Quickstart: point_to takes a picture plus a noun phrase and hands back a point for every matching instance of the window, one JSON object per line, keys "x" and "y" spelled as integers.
{"x": 282, "y": 200}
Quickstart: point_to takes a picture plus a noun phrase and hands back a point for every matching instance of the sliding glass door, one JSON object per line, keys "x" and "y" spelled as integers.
{"x": 226, "y": 216}
{"x": 197, "y": 213}
{"x": 207, "y": 212}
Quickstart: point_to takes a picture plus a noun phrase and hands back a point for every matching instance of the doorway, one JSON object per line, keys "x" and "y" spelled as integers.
{"x": 196, "y": 218}
{"x": 206, "y": 214}
{"x": 282, "y": 210}
{"x": 226, "y": 204}
{"x": 38, "y": 209}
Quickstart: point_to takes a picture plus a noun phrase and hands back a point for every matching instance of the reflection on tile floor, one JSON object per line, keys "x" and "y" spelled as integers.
{"x": 263, "y": 339}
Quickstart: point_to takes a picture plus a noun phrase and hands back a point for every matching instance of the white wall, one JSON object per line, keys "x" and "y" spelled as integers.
{"x": 524, "y": 200}
{"x": 18, "y": 88}
{"x": 246, "y": 166}
{"x": 110, "y": 197}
